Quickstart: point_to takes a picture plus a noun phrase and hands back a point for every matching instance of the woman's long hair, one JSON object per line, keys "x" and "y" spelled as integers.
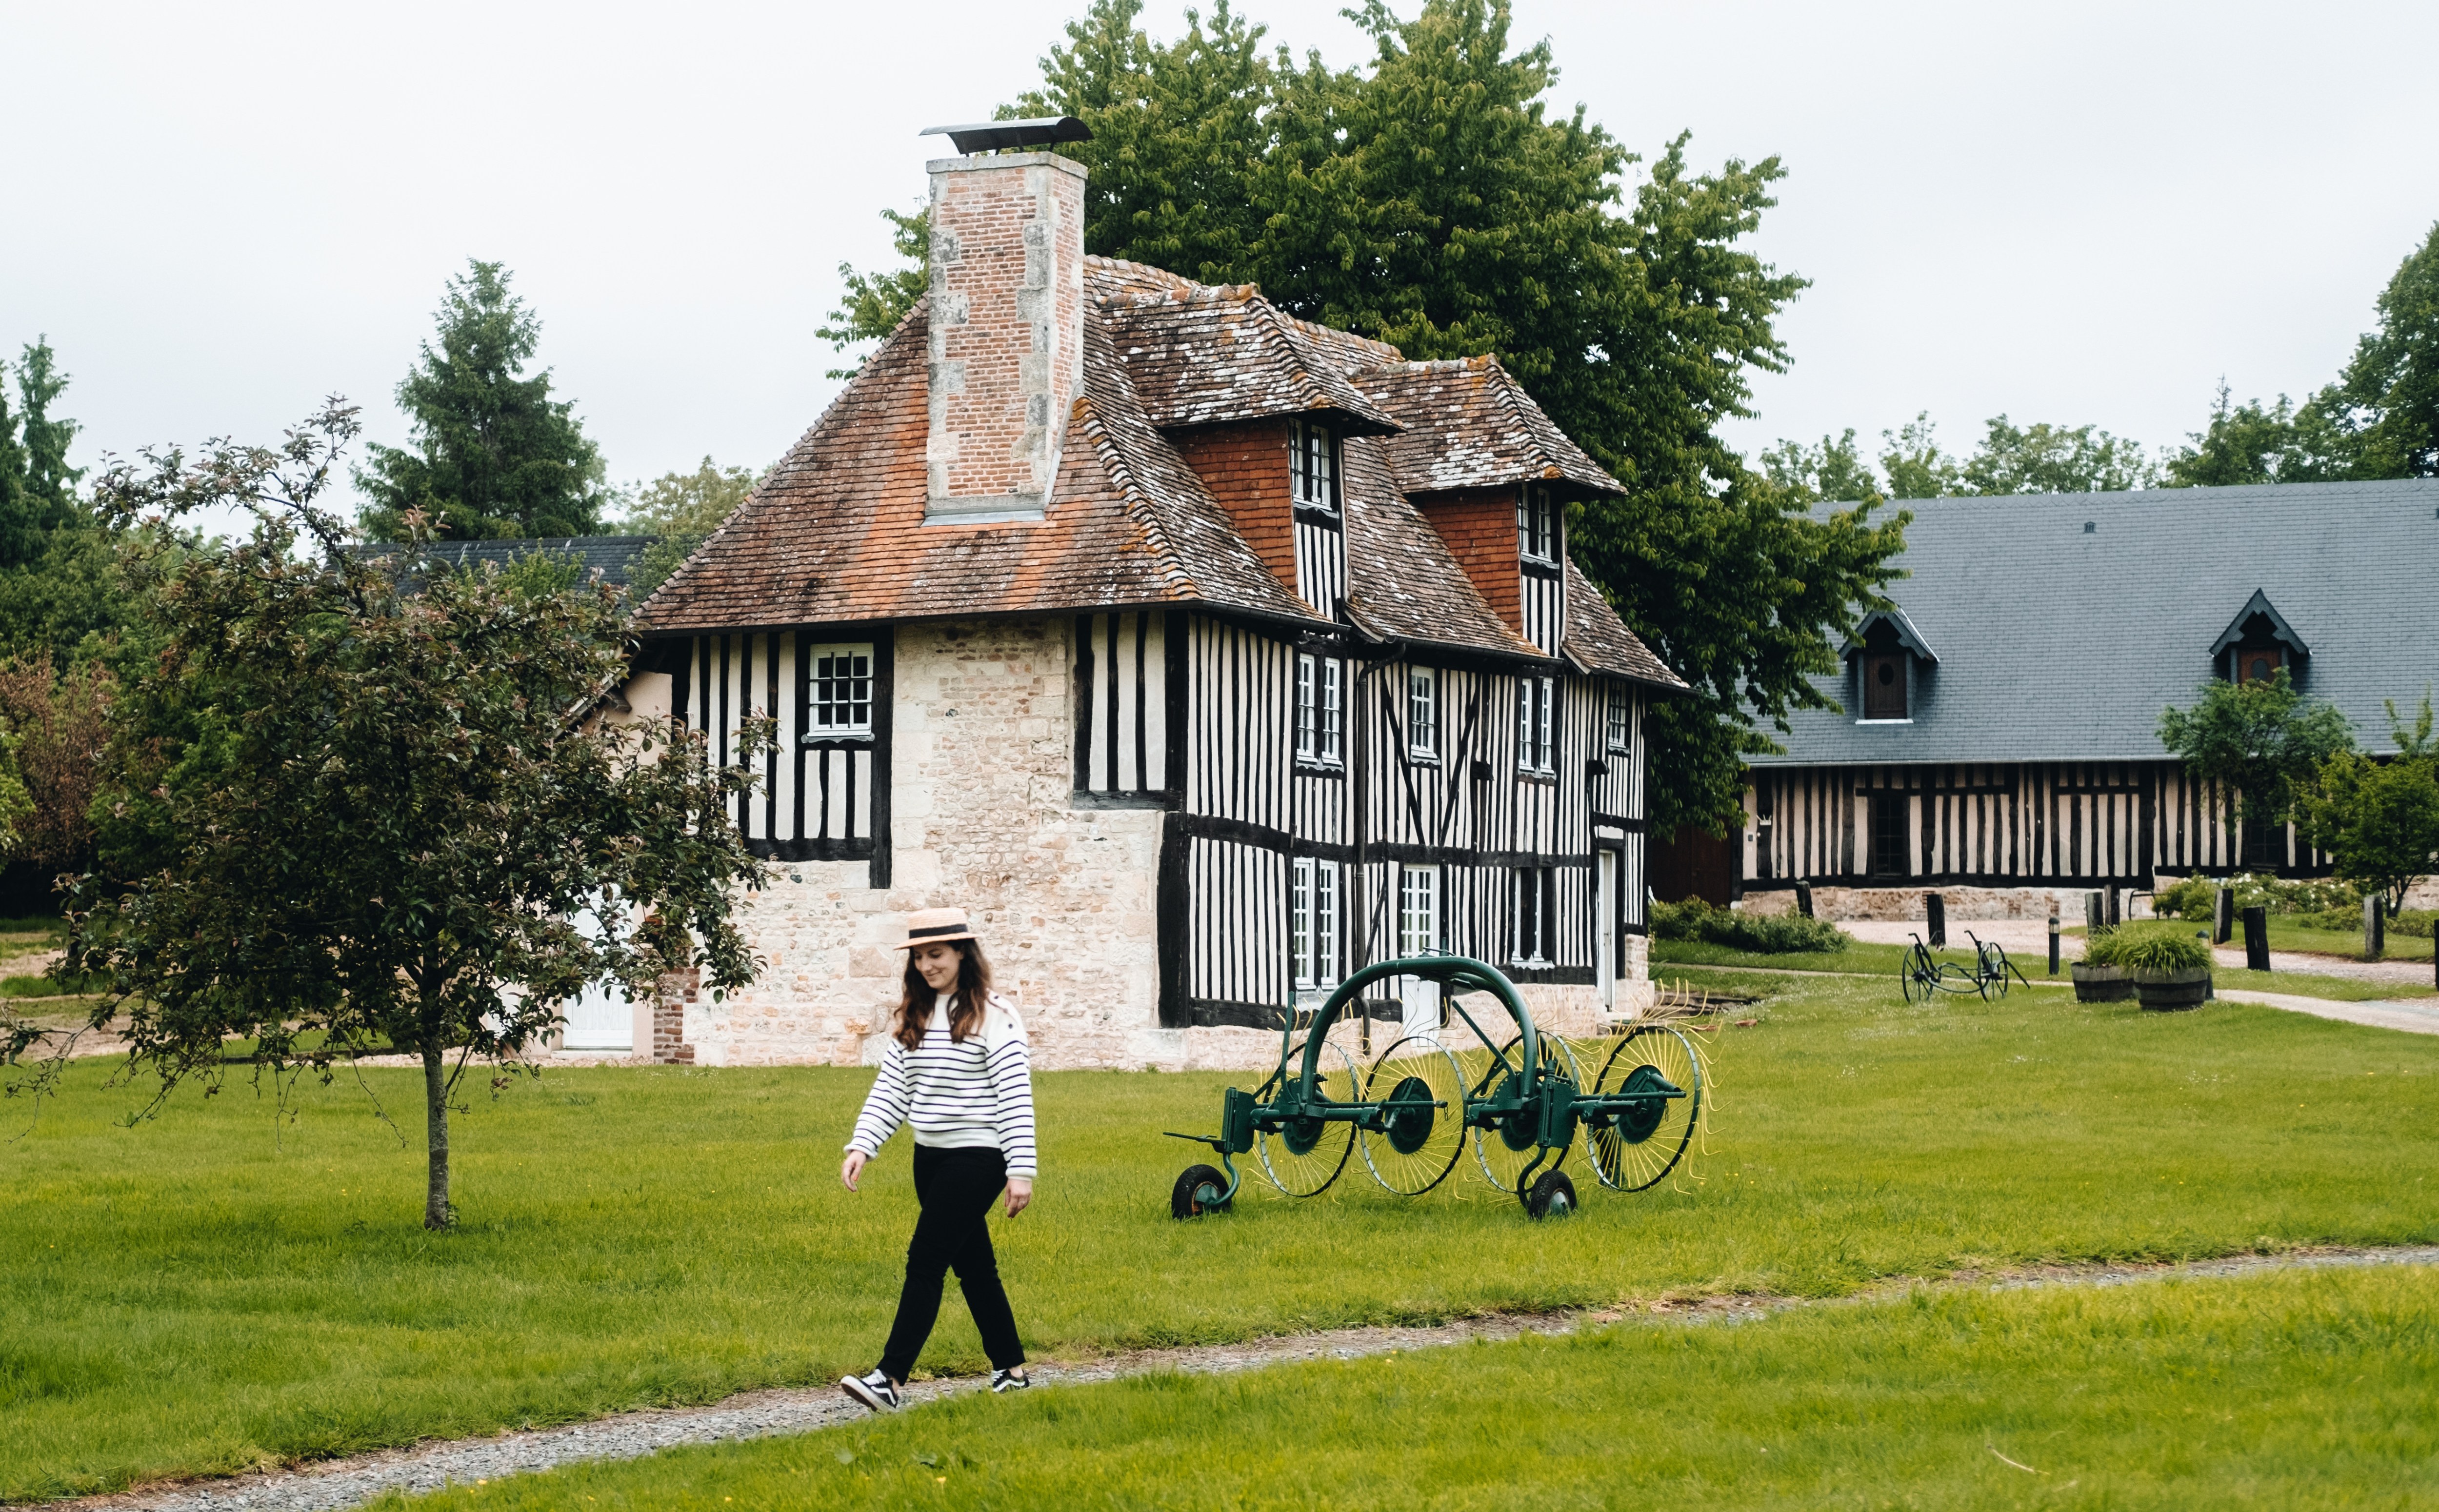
{"x": 965, "y": 1009}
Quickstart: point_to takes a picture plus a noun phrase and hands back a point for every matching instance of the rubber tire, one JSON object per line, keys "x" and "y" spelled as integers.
{"x": 1553, "y": 1195}
{"x": 1181, "y": 1196}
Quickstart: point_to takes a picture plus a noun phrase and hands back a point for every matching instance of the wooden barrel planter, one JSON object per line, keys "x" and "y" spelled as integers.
{"x": 2101, "y": 983}
{"x": 2172, "y": 992}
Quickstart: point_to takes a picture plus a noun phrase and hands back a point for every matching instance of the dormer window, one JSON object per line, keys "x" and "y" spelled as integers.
{"x": 1884, "y": 687}
{"x": 2258, "y": 643}
{"x": 1887, "y": 652}
{"x": 1536, "y": 524}
{"x": 1312, "y": 464}
{"x": 2259, "y": 664}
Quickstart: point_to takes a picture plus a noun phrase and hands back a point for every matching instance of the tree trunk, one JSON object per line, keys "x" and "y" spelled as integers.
{"x": 436, "y": 1112}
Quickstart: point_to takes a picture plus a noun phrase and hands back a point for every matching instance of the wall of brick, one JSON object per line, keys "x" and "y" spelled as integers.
{"x": 1007, "y": 325}
{"x": 1245, "y": 467}
{"x": 1478, "y": 525}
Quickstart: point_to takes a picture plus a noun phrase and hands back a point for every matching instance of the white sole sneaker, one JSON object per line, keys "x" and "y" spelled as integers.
{"x": 873, "y": 1391}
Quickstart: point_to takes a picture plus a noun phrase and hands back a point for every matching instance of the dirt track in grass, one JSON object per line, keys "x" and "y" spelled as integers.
{"x": 349, "y": 1483}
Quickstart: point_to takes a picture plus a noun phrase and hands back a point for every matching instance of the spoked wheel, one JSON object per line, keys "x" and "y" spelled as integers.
{"x": 1553, "y": 1196}
{"x": 1418, "y": 1144}
{"x": 1198, "y": 1191}
{"x": 1911, "y": 983}
{"x": 1634, "y": 1149}
{"x": 1304, "y": 1156}
{"x": 1504, "y": 1149}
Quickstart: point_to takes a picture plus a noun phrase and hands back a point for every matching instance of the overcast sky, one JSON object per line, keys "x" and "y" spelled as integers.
{"x": 2065, "y": 212}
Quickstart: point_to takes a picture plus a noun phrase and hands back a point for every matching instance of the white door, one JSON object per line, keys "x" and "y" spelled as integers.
{"x": 601, "y": 1018}
{"x": 1604, "y": 931}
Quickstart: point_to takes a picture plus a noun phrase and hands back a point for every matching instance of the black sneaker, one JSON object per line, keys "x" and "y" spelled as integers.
{"x": 1009, "y": 1380}
{"x": 876, "y": 1390}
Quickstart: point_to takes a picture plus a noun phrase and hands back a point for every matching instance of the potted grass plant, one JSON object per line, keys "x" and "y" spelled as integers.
{"x": 2170, "y": 966}
{"x": 2098, "y": 977}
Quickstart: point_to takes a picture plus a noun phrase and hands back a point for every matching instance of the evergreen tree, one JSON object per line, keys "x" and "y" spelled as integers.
{"x": 495, "y": 455}
{"x": 37, "y": 486}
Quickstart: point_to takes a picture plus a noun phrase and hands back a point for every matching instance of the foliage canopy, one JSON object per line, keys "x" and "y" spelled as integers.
{"x": 2262, "y": 738}
{"x": 2379, "y": 820}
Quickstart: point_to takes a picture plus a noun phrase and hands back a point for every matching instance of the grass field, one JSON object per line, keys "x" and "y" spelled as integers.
{"x": 219, "y": 1289}
{"x": 2288, "y": 1391}
{"x": 1882, "y": 961}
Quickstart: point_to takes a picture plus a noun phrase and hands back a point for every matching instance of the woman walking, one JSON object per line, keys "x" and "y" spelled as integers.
{"x": 957, "y": 1069}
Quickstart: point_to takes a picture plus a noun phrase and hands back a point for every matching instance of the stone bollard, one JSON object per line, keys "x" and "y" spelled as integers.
{"x": 2256, "y": 939}
{"x": 1935, "y": 911}
{"x": 2115, "y": 916}
{"x": 1804, "y": 898}
{"x": 2053, "y": 945}
{"x": 2093, "y": 921}
{"x": 2223, "y": 916}
{"x": 2375, "y": 928}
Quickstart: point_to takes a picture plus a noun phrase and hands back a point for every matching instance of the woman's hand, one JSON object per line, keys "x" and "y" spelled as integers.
{"x": 853, "y": 1168}
{"x": 1020, "y": 1193}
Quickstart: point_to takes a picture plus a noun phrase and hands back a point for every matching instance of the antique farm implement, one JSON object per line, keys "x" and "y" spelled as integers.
{"x": 1520, "y": 1100}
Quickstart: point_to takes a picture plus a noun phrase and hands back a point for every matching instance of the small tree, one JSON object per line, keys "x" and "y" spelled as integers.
{"x": 2379, "y": 820}
{"x": 2261, "y": 738}
{"x": 359, "y": 809}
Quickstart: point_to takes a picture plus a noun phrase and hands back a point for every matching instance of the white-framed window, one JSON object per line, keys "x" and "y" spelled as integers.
{"x": 1320, "y": 710}
{"x": 1418, "y": 910}
{"x": 1312, "y": 464}
{"x": 1537, "y": 523}
{"x": 1533, "y": 916}
{"x": 1312, "y": 923}
{"x": 1535, "y": 723}
{"x": 838, "y": 693}
{"x": 1423, "y": 711}
{"x": 1621, "y": 719}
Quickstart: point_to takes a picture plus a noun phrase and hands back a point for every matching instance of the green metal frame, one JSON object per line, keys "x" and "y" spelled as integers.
{"x": 1523, "y": 1102}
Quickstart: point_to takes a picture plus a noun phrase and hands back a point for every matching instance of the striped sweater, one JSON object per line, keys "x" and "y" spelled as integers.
{"x": 978, "y": 1094}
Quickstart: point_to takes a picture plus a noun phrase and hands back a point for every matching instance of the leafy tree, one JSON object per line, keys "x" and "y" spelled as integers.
{"x": 355, "y": 818}
{"x": 875, "y": 302}
{"x": 683, "y": 508}
{"x": 2394, "y": 376}
{"x": 2263, "y": 740}
{"x": 58, "y": 726}
{"x": 1917, "y": 467}
{"x": 2253, "y": 443}
{"x": 1833, "y": 470}
{"x": 495, "y": 455}
{"x": 2379, "y": 820}
{"x": 2045, "y": 458}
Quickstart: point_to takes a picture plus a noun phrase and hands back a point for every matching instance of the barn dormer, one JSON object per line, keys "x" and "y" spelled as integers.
{"x": 1494, "y": 476}
{"x": 2258, "y": 643}
{"x": 1889, "y": 661}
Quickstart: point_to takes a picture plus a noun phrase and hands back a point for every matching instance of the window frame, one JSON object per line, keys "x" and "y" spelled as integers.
{"x": 1423, "y": 714}
{"x": 1536, "y": 724}
{"x": 1310, "y": 442}
{"x": 1532, "y": 914}
{"x": 1314, "y": 918}
{"x": 1621, "y": 719}
{"x": 1418, "y": 883}
{"x": 1536, "y": 525}
{"x": 815, "y": 731}
{"x": 1320, "y": 715}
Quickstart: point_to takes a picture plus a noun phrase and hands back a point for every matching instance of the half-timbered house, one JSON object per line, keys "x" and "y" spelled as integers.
{"x": 1999, "y": 729}
{"x": 1203, "y": 652}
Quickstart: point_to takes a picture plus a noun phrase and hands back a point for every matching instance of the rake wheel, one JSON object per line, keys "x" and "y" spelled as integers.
{"x": 1504, "y": 1149}
{"x": 1639, "y": 1147}
{"x": 1417, "y": 1145}
{"x": 1304, "y": 1155}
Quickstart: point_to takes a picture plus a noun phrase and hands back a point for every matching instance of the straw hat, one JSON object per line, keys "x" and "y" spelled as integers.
{"x": 933, "y": 926}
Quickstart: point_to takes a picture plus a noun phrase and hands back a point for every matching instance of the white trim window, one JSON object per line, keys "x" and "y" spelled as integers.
{"x": 1312, "y": 464}
{"x": 1312, "y": 923}
{"x": 1418, "y": 910}
{"x": 1533, "y": 916}
{"x": 838, "y": 693}
{"x": 1621, "y": 719}
{"x": 1320, "y": 710}
{"x": 1536, "y": 524}
{"x": 1536, "y": 724}
{"x": 1423, "y": 712}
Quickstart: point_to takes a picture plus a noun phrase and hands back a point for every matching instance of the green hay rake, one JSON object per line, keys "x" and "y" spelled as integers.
{"x": 1412, "y": 1111}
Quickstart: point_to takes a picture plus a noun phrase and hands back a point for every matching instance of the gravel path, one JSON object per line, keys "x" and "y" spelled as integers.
{"x": 349, "y": 1483}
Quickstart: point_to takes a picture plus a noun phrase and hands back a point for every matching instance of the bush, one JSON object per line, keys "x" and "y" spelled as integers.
{"x": 2197, "y": 895}
{"x": 2413, "y": 921}
{"x": 2153, "y": 947}
{"x": 1767, "y": 934}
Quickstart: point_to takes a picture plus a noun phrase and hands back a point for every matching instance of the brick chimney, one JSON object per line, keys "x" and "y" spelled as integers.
{"x": 1007, "y": 350}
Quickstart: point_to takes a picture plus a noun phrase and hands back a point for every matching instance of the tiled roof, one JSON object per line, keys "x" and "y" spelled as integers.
{"x": 1599, "y": 641}
{"x": 835, "y": 533}
{"x": 1469, "y": 426}
{"x": 1217, "y": 354}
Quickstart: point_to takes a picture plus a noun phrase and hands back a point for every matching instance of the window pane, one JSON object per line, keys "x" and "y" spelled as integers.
{"x": 1330, "y": 710}
{"x": 1304, "y": 707}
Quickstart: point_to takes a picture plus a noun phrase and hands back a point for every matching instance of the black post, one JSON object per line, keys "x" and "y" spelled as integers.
{"x": 1936, "y": 908}
{"x": 2115, "y": 920}
{"x": 2256, "y": 939}
{"x": 2092, "y": 922}
{"x": 2223, "y": 916}
{"x": 1804, "y": 898}
{"x": 2374, "y": 929}
{"x": 2053, "y": 945}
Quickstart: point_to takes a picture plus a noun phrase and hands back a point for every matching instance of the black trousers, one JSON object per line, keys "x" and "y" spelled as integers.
{"x": 956, "y": 1189}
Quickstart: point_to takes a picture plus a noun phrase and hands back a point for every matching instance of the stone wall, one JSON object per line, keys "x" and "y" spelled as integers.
{"x": 1901, "y": 903}
{"x": 979, "y": 815}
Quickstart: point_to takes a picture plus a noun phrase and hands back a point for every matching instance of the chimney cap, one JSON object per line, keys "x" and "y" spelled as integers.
{"x": 993, "y": 137}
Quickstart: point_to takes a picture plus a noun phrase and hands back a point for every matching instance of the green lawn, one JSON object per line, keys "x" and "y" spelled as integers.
{"x": 221, "y": 1288}
{"x": 2286, "y": 1391}
{"x": 1884, "y": 960}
